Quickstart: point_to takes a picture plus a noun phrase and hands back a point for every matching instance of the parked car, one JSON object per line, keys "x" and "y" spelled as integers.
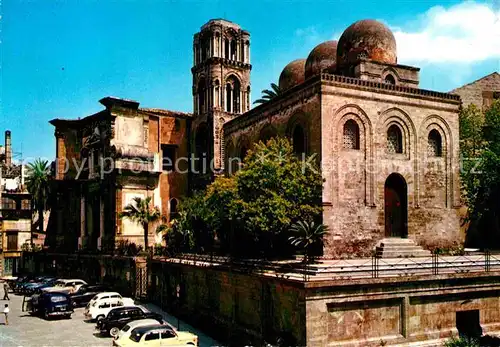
{"x": 21, "y": 281}
{"x": 127, "y": 329}
{"x": 117, "y": 318}
{"x": 156, "y": 336}
{"x": 51, "y": 304}
{"x": 30, "y": 288}
{"x": 99, "y": 309}
{"x": 66, "y": 286}
{"x": 85, "y": 293}
{"x": 111, "y": 295}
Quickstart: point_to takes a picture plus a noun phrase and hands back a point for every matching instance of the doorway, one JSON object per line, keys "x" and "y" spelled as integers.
{"x": 396, "y": 206}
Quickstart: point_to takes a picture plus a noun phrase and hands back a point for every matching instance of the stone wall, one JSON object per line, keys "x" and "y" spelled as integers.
{"x": 398, "y": 311}
{"x": 231, "y": 306}
{"x": 474, "y": 93}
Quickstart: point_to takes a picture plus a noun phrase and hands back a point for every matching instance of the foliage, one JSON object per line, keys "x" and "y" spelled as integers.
{"x": 38, "y": 186}
{"x": 481, "y": 174}
{"x": 139, "y": 211}
{"x": 269, "y": 94}
{"x": 27, "y": 247}
{"x": 250, "y": 213}
{"x": 462, "y": 342}
{"x": 306, "y": 235}
{"x": 125, "y": 248}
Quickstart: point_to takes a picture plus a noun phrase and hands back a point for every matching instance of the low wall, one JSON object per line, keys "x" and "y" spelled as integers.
{"x": 234, "y": 307}
{"x": 120, "y": 273}
{"x": 394, "y": 311}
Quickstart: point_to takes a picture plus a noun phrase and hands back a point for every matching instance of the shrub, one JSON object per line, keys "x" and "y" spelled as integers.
{"x": 462, "y": 342}
{"x": 126, "y": 248}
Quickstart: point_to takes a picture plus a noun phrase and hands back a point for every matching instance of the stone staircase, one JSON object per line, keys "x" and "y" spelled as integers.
{"x": 395, "y": 247}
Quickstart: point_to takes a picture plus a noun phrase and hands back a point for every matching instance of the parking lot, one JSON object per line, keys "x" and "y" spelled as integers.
{"x": 26, "y": 330}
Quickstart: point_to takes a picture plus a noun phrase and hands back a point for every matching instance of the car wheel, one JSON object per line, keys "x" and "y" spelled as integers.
{"x": 100, "y": 317}
{"x": 46, "y": 315}
{"x": 114, "y": 332}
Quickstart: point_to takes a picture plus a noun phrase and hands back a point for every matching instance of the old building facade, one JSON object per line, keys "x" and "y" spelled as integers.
{"x": 481, "y": 92}
{"x": 15, "y": 209}
{"x": 388, "y": 150}
{"x": 108, "y": 158}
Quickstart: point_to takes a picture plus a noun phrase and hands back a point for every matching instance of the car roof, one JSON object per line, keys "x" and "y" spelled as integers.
{"x": 108, "y": 293}
{"x": 122, "y": 308}
{"x": 142, "y": 322}
{"x": 144, "y": 329}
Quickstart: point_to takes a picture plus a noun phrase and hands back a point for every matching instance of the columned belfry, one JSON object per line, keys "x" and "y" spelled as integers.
{"x": 221, "y": 90}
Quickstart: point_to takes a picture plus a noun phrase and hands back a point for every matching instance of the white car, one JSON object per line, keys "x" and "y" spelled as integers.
{"x": 66, "y": 286}
{"x": 99, "y": 309}
{"x": 111, "y": 295}
{"x": 127, "y": 329}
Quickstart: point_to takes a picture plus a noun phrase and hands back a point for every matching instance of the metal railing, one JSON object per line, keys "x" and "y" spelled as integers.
{"x": 374, "y": 267}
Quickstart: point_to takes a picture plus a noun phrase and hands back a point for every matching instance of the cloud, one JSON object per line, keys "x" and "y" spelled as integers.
{"x": 465, "y": 33}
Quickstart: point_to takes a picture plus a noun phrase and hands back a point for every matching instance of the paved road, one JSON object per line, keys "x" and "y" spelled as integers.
{"x": 28, "y": 331}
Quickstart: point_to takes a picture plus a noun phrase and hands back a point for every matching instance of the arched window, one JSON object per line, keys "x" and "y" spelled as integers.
{"x": 267, "y": 133}
{"x": 434, "y": 144}
{"x": 298, "y": 140}
{"x": 201, "y": 95}
{"x": 233, "y": 50}
{"x": 226, "y": 48}
{"x": 173, "y": 209}
{"x": 390, "y": 79}
{"x": 394, "y": 140}
{"x": 248, "y": 98}
{"x": 351, "y": 135}
{"x": 216, "y": 93}
{"x": 233, "y": 95}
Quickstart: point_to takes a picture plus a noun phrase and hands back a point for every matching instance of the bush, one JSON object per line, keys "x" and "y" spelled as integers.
{"x": 125, "y": 248}
{"x": 462, "y": 342}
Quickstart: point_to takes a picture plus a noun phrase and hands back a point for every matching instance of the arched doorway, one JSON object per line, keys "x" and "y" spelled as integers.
{"x": 396, "y": 206}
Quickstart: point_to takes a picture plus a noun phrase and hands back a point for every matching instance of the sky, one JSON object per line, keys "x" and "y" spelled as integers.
{"x": 58, "y": 58}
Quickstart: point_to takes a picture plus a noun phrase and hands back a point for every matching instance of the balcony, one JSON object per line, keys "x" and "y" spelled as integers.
{"x": 10, "y": 214}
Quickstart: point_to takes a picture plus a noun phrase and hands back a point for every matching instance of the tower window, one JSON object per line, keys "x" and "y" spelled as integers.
{"x": 434, "y": 144}
{"x": 394, "y": 140}
{"x": 168, "y": 157}
{"x": 389, "y": 79}
{"x": 351, "y": 135}
{"x": 233, "y": 49}
{"x": 226, "y": 48}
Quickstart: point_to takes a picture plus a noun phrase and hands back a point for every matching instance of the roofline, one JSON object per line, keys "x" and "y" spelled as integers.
{"x": 479, "y": 79}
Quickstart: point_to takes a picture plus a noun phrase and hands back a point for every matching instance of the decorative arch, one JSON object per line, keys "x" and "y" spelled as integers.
{"x": 398, "y": 117}
{"x": 201, "y": 94}
{"x": 232, "y": 94}
{"x": 441, "y": 126}
{"x": 299, "y": 122}
{"x": 267, "y": 132}
{"x": 354, "y": 113}
{"x": 389, "y": 73}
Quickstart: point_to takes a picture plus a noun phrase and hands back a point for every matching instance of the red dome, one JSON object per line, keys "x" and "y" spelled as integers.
{"x": 323, "y": 57}
{"x": 292, "y": 74}
{"x": 368, "y": 39}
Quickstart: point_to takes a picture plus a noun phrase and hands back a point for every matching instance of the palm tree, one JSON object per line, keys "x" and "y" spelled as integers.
{"x": 307, "y": 234}
{"x": 38, "y": 186}
{"x": 140, "y": 212}
{"x": 269, "y": 94}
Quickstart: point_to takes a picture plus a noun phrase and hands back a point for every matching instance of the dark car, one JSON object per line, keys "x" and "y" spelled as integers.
{"x": 85, "y": 293}
{"x": 118, "y": 317}
{"x": 21, "y": 281}
{"x": 51, "y": 304}
{"x": 31, "y": 287}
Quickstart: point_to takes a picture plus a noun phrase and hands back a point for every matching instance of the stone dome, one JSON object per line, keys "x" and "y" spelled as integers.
{"x": 323, "y": 57}
{"x": 292, "y": 74}
{"x": 368, "y": 39}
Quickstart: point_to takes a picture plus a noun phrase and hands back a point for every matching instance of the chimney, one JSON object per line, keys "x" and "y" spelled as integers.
{"x": 8, "y": 149}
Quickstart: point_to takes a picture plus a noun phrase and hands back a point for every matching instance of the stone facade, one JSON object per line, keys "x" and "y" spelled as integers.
{"x": 105, "y": 160}
{"x": 481, "y": 92}
{"x": 388, "y": 151}
{"x": 221, "y": 90}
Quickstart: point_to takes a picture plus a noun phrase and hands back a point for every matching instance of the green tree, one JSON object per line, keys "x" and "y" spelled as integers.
{"x": 38, "y": 176}
{"x": 481, "y": 176}
{"x": 140, "y": 211}
{"x": 269, "y": 94}
{"x": 306, "y": 235}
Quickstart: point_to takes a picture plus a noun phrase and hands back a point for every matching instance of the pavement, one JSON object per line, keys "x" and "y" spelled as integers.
{"x": 25, "y": 330}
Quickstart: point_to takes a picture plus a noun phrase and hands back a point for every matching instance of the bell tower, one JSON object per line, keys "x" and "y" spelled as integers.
{"x": 221, "y": 91}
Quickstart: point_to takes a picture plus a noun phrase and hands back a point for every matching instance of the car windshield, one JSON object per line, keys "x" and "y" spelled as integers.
{"x": 58, "y": 298}
{"x": 59, "y": 284}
